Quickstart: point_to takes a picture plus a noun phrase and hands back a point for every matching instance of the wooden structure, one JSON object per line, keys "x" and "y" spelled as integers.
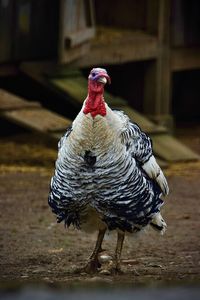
{"x": 163, "y": 33}
{"x": 31, "y": 115}
{"x": 45, "y": 29}
{"x": 73, "y": 86}
{"x": 126, "y": 31}
{"x": 76, "y": 29}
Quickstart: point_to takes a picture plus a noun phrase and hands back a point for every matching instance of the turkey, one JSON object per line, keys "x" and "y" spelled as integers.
{"x": 106, "y": 176}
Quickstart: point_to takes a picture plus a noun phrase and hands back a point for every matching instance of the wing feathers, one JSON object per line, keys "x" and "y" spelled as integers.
{"x": 154, "y": 172}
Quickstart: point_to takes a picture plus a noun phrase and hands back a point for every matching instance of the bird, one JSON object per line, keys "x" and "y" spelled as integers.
{"x": 106, "y": 176}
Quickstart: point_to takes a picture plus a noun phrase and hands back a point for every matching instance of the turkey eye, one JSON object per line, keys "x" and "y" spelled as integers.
{"x": 93, "y": 74}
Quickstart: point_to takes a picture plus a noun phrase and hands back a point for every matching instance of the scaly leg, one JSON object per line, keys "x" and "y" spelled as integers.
{"x": 93, "y": 263}
{"x": 113, "y": 266}
{"x": 118, "y": 250}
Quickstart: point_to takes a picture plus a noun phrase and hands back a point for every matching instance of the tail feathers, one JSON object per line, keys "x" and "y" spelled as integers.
{"x": 159, "y": 224}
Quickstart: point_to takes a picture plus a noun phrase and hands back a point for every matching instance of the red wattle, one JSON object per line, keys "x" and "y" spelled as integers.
{"x": 95, "y": 106}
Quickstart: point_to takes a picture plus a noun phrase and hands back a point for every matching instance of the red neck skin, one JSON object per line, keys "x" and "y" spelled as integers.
{"x": 95, "y": 104}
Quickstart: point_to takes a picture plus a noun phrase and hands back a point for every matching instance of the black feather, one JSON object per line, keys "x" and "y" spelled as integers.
{"x": 89, "y": 158}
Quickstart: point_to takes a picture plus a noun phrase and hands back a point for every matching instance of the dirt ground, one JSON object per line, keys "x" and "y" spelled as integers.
{"x": 35, "y": 249}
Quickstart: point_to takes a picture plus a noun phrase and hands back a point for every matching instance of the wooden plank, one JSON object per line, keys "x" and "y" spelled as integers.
{"x": 31, "y": 115}
{"x": 145, "y": 124}
{"x": 73, "y": 87}
{"x": 38, "y": 119}
{"x": 79, "y": 37}
{"x": 113, "y": 46}
{"x": 9, "y": 101}
{"x": 185, "y": 59}
{"x": 170, "y": 149}
{"x": 75, "y": 29}
{"x": 72, "y": 54}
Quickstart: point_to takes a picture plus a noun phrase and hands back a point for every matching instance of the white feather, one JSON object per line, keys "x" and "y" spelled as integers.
{"x": 154, "y": 172}
{"x": 159, "y": 221}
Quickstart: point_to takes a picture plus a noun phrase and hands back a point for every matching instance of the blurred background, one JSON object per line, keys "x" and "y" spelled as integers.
{"x": 151, "y": 50}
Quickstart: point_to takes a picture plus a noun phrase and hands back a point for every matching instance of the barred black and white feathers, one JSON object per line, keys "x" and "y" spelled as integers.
{"x": 106, "y": 172}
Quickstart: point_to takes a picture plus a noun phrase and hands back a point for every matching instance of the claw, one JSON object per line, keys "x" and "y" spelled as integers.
{"x": 112, "y": 269}
{"x": 92, "y": 266}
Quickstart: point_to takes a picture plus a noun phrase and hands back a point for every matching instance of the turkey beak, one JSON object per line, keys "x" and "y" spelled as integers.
{"x": 104, "y": 79}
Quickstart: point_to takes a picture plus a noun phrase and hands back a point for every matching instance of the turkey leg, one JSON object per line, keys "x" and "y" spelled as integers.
{"x": 93, "y": 263}
{"x": 113, "y": 266}
{"x": 118, "y": 250}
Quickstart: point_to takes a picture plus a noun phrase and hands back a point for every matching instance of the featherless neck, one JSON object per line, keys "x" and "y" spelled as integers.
{"x": 95, "y": 104}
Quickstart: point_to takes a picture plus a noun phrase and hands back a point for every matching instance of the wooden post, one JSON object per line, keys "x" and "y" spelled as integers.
{"x": 76, "y": 29}
{"x": 157, "y": 93}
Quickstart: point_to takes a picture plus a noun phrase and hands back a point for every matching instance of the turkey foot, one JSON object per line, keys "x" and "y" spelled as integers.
{"x": 111, "y": 269}
{"x": 114, "y": 266}
{"x": 92, "y": 266}
{"x": 93, "y": 263}
{"x": 117, "y": 269}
